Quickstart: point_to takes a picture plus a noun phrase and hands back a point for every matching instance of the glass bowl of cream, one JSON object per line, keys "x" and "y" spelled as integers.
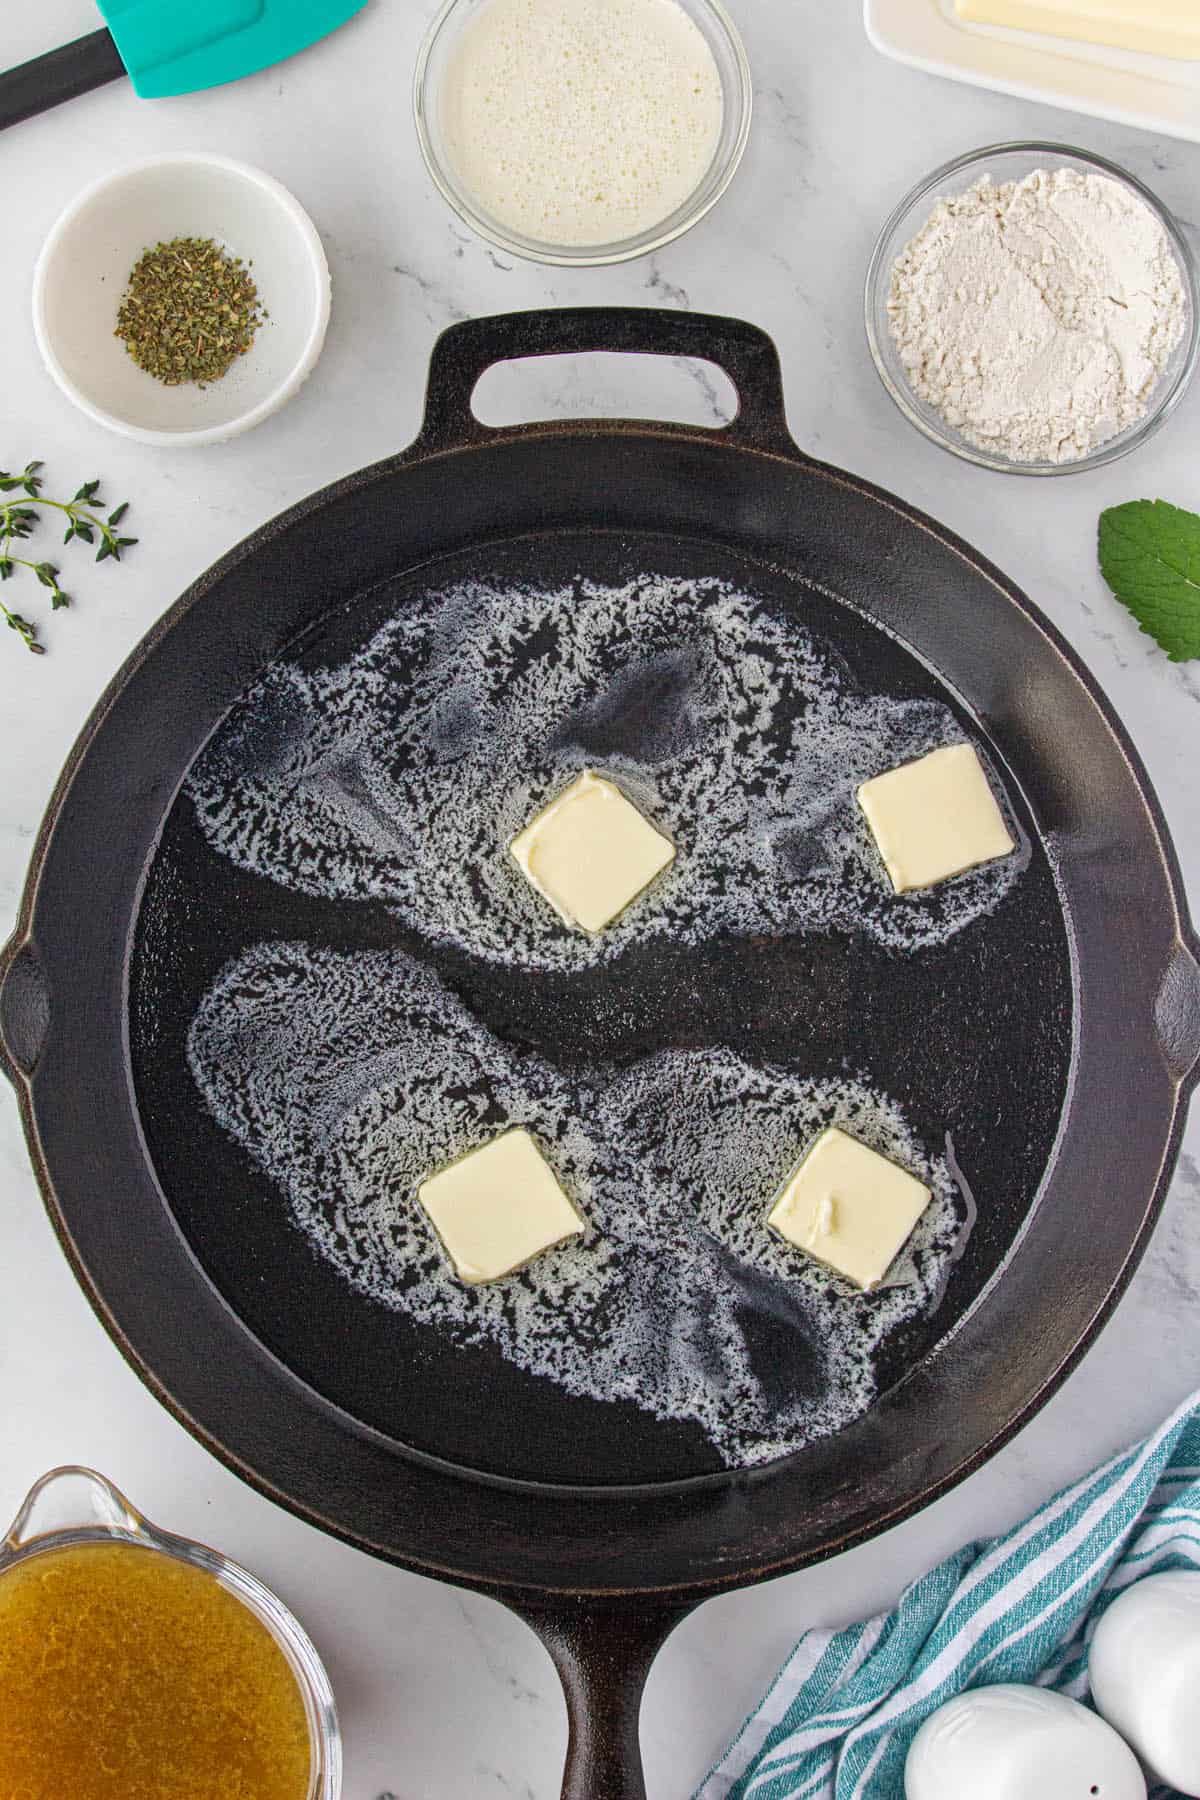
{"x": 582, "y": 132}
{"x": 1032, "y": 308}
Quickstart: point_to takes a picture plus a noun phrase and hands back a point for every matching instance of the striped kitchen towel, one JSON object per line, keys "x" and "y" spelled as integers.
{"x": 838, "y": 1721}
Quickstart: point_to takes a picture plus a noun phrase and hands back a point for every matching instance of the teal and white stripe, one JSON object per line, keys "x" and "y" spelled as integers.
{"x": 837, "y": 1723}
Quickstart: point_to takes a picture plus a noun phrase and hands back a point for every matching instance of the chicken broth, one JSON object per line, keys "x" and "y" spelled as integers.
{"x": 128, "y": 1675}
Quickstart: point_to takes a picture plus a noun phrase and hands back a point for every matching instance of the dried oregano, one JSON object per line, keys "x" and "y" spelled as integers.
{"x": 190, "y": 310}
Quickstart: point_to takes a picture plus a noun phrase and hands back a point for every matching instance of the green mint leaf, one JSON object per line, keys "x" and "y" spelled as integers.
{"x": 1150, "y": 558}
{"x": 118, "y": 513}
{"x": 6, "y": 567}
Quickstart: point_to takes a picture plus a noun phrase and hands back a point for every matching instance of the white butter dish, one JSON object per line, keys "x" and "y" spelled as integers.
{"x": 1152, "y": 93}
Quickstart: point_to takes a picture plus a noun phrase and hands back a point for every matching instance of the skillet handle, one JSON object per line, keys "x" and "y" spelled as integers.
{"x": 603, "y": 1655}
{"x": 464, "y": 352}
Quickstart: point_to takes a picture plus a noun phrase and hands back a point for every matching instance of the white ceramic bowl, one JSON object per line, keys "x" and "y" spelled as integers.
{"x": 85, "y": 264}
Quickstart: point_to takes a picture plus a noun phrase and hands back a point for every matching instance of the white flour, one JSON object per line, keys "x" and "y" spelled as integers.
{"x": 1037, "y": 316}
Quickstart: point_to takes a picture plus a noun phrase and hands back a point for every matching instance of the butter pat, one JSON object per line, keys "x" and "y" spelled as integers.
{"x": 849, "y": 1207}
{"x": 934, "y": 817}
{"x": 1157, "y": 27}
{"x": 590, "y": 852}
{"x": 497, "y": 1208}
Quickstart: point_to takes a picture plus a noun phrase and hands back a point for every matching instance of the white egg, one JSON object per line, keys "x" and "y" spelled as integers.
{"x": 1019, "y": 1743}
{"x": 1144, "y": 1664}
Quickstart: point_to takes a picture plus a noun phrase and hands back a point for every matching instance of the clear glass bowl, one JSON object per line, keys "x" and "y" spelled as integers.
{"x": 1012, "y": 162}
{"x": 72, "y": 1506}
{"x": 721, "y": 36}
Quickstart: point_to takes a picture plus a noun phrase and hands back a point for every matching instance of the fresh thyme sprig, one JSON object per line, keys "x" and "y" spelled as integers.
{"x": 17, "y": 520}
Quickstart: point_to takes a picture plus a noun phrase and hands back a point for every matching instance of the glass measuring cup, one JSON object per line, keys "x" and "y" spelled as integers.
{"x": 72, "y": 1506}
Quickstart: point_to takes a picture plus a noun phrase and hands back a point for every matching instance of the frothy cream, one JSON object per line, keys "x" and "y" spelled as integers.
{"x": 581, "y": 122}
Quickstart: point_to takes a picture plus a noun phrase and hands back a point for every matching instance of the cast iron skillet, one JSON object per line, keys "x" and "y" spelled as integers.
{"x": 600, "y": 1528}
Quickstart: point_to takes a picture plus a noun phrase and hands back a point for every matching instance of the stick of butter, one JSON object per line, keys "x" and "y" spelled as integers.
{"x": 498, "y": 1207}
{"x": 590, "y": 852}
{"x": 1156, "y": 27}
{"x": 934, "y": 817}
{"x": 849, "y": 1207}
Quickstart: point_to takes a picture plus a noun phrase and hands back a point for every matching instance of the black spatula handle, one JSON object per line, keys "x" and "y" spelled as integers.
{"x": 60, "y": 75}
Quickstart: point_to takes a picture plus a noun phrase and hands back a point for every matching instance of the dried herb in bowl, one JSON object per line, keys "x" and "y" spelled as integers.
{"x": 189, "y": 311}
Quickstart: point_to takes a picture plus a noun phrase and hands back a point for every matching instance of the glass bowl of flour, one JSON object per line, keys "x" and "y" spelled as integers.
{"x": 581, "y": 132}
{"x": 1032, "y": 308}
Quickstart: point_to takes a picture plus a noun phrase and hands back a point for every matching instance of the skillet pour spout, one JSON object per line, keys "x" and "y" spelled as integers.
{"x": 1177, "y": 1011}
{"x": 597, "y": 1522}
{"x": 24, "y": 1008}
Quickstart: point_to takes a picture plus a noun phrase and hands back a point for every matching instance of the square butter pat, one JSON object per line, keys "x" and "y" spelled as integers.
{"x": 849, "y": 1207}
{"x": 590, "y": 852}
{"x": 498, "y": 1207}
{"x": 935, "y": 817}
{"x": 1155, "y": 27}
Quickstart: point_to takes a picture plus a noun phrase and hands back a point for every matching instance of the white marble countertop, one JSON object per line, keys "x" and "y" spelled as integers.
{"x": 441, "y": 1693}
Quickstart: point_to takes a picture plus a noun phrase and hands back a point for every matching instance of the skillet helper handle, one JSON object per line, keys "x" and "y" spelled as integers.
{"x": 34, "y": 87}
{"x": 603, "y": 1656}
{"x": 466, "y": 351}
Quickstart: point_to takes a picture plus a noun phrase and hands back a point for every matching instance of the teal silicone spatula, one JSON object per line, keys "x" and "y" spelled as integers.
{"x": 171, "y": 47}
